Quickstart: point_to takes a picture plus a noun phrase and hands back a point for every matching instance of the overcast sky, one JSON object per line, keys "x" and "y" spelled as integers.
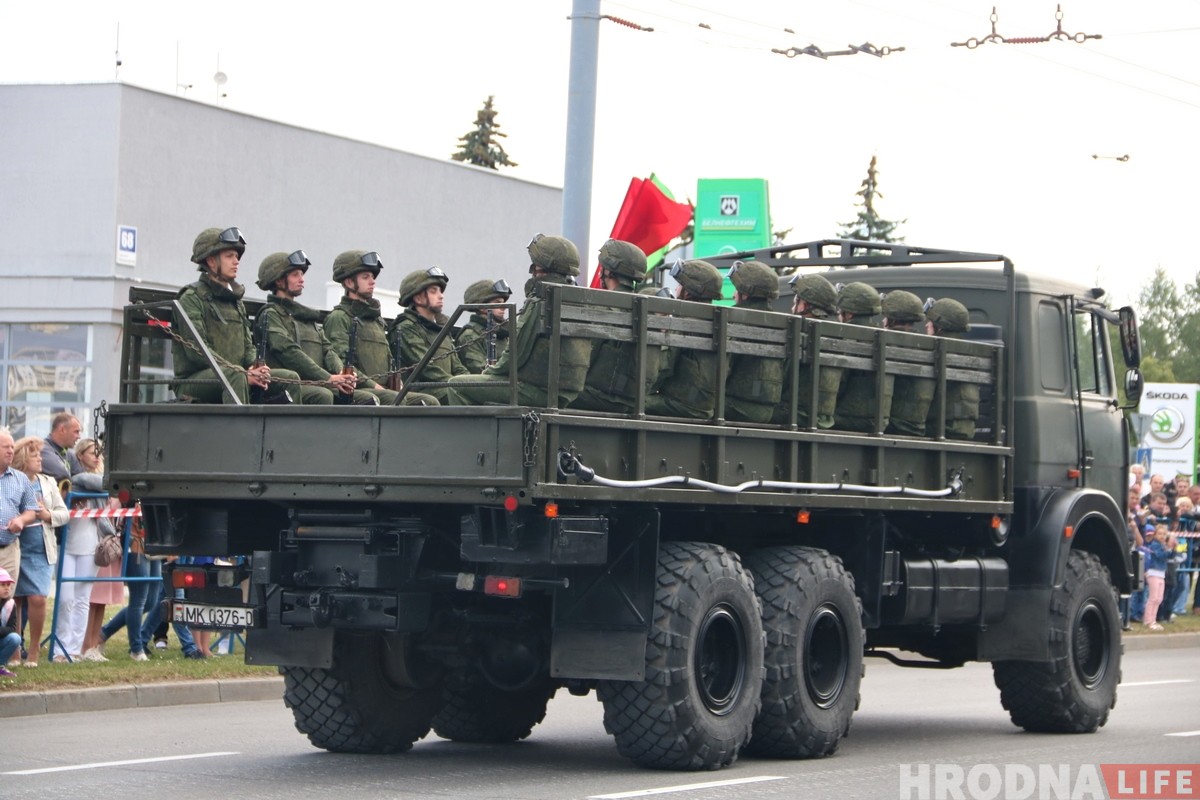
{"x": 985, "y": 149}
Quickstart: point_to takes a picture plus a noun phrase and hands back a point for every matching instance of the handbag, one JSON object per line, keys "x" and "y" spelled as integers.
{"x": 108, "y": 551}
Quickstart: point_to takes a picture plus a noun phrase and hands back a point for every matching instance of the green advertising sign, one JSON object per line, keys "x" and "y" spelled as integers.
{"x": 732, "y": 214}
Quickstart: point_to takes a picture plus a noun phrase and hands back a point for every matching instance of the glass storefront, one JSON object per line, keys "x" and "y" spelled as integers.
{"x": 47, "y": 369}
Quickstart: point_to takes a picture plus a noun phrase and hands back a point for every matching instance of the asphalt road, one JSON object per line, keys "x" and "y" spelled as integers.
{"x": 911, "y": 721}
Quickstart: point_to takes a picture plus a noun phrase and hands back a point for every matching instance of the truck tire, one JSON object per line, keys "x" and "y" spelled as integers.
{"x": 355, "y": 707}
{"x": 814, "y": 655}
{"x": 475, "y": 711}
{"x": 1075, "y": 690}
{"x": 704, "y": 665}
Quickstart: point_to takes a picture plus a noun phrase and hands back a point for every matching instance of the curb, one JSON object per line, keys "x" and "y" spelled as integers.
{"x": 149, "y": 695}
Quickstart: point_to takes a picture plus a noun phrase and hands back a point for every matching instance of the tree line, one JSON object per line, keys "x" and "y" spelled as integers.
{"x": 1170, "y": 326}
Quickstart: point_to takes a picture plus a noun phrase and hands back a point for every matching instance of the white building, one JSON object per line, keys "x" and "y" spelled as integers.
{"x": 82, "y": 165}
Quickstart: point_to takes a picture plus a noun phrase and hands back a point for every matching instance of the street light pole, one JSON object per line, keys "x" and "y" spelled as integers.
{"x": 581, "y": 128}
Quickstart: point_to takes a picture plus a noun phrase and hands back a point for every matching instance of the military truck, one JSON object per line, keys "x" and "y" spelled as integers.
{"x": 717, "y": 585}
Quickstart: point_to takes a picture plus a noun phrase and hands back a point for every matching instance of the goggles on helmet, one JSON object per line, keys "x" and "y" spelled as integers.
{"x": 298, "y": 259}
{"x": 370, "y": 260}
{"x": 231, "y": 236}
{"x": 437, "y": 272}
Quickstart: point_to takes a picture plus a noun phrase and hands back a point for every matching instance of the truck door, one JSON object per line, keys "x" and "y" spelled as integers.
{"x": 1103, "y": 447}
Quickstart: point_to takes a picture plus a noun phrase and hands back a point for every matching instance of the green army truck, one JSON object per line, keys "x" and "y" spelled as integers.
{"x": 717, "y": 584}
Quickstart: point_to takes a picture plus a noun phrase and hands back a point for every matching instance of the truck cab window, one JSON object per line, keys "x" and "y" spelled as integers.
{"x": 1052, "y": 348}
{"x": 1089, "y": 355}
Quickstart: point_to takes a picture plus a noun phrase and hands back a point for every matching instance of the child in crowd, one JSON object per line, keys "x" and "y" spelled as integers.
{"x": 10, "y": 640}
{"x": 1156, "y": 573}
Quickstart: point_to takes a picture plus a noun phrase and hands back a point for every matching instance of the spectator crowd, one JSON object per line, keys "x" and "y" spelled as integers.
{"x": 1162, "y": 517}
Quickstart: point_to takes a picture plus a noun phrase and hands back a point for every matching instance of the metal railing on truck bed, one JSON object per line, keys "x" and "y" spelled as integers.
{"x": 473, "y": 455}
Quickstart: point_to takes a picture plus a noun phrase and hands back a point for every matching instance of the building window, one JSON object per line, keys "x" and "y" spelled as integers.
{"x": 47, "y": 369}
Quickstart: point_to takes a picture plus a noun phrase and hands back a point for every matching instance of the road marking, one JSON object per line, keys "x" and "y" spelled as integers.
{"x": 1155, "y": 683}
{"x": 1184, "y": 733}
{"x": 100, "y": 764}
{"x": 687, "y": 787}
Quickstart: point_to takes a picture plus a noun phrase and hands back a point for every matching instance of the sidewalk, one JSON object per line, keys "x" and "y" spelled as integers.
{"x": 106, "y": 698}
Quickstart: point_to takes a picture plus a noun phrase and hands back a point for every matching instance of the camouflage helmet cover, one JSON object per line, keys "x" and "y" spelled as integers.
{"x": 858, "y": 298}
{"x": 755, "y": 280}
{"x": 276, "y": 265}
{"x": 949, "y": 315}
{"x": 701, "y": 279}
{"x": 817, "y": 291}
{"x": 419, "y": 280}
{"x": 554, "y": 254}
{"x": 352, "y": 262}
{"x": 903, "y": 307}
{"x": 211, "y": 241}
{"x": 484, "y": 290}
{"x": 625, "y": 260}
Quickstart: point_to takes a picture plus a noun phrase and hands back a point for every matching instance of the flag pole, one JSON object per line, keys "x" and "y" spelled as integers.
{"x": 581, "y": 127}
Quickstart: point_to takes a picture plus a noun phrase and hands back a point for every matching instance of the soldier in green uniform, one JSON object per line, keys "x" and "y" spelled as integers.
{"x": 357, "y": 270}
{"x": 422, "y": 293}
{"x": 294, "y": 336}
{"x": 912, "y": 395}
{"x": 689, "y": 386}
{"x": 553, "y": 260}
{"x": 948, "y": 317}
{"x": 859, "y": 304}
{"x": 815, "y": 298}
{"x": 612, "y": 374}
{"x": 214, "y": 306}
{"x": 472, "y": 340}
{"x": 755, "y": 384}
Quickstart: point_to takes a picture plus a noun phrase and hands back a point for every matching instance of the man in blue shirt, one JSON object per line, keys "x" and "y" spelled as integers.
{"x": 18, "y": 506}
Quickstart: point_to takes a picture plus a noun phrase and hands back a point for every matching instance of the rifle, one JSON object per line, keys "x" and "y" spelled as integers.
{"x": 490, "y": 342}
{"x": 348, "y": 366}
{"x": 258, "y": 394}
{"x": 394, "y": 382}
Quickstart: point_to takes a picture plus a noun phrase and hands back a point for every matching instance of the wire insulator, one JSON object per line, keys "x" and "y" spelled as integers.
{"x": 626, "y": 23}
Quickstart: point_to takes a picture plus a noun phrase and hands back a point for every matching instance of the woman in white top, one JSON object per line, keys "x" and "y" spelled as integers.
{"x": 39, "y": 552}
{"x": 79, "y": 563}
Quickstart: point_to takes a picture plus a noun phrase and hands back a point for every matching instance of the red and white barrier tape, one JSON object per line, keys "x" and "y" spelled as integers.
{"x": 93, "y": 513}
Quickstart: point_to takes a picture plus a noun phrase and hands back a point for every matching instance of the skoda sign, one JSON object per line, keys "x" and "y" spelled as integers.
{"x": 1170, "y": 414}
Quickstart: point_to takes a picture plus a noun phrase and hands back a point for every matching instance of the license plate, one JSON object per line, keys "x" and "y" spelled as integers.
{"x": 206, "y": 616}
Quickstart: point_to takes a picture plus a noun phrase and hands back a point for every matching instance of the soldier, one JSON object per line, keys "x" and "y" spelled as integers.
{"x": 755, "y": 384}
{"x": 553, "y": 260}
{"x": 948, "y": 317}
{"x": 294, "y": 337}
{"x": 911, "y": 395}
{"x": 689, "y": 386}
{"x": 859, "y": 304}
{"x": 815, "y": 299}
{"x": 357, "y": 270}
{"x": 422, "y": 294}
{"x": 214, "y": 306}
{"x": 472, "y": 340}
{"x": 612, "y": 375}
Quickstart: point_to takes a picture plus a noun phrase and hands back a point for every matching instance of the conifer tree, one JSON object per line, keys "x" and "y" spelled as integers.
{"x": 869, "y": 225}
{"x": 481, "y": 145}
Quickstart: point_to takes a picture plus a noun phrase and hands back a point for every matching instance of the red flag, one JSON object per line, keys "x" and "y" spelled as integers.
{"x": 648, "y": 218}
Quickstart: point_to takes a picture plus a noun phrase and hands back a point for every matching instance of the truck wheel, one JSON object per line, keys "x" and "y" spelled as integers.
{"x": 814, "y": 656}
{"x": 357, "y": 706}
{"x": 1075, "y": 690}
{"x": 475, "y": 711}
{"x": 704, "y": 664}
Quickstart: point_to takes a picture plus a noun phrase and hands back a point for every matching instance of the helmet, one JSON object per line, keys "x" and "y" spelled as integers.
{"x": 700, "y": 278}
{"x": 352, "y": 262}
{"x": 755, "y": 280}
{"x": 903, "y": 307}
{"x": 485, "y": 290}
{"x": 816, "y": 290}
{"x": 419, "y": 280}
{"x": 276, "y": 265}
{"x": 948, "y": 315}
{"x": 625, "y": 260}
{"x": 211, "y": 241}
{"x": 554, "y": 254}
{"x": 858, "y": 298}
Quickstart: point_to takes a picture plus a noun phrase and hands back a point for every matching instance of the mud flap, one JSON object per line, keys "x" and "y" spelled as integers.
{"x": 290, "y": 647}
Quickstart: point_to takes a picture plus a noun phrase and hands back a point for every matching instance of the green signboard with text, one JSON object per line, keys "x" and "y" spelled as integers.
{"x": 732, "y": 214}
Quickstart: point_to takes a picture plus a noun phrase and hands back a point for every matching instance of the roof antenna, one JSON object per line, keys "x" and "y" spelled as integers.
{"x": 179, "y": 84}
{"x": 117, "y": 55}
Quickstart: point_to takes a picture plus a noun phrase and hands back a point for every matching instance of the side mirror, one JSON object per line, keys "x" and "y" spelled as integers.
{"x": 1133, "y": 387}
{"x": 1131, "y": 343}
